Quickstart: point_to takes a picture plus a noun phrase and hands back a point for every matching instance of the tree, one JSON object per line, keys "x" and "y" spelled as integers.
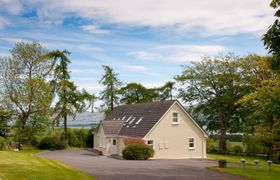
{"x": 23, "y": 82}
{"x": 165, "y": 91}
{"x": 111, "y": 83}
{"x": 254, "y": 70}
{"x": 262, "y": 103}
{"x": 70, "y": 100}
{"x": 272, "y": 37}
{"x": 214, "y": 85}
{"x": 134, "y": 93}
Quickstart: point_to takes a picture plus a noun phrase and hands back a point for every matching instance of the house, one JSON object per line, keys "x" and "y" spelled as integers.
{"x": 165, "y": 125}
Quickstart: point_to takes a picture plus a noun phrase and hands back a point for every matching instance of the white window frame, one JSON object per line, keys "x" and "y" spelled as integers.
{"x": 178, "y": 121}
{"x": 153, "y": 146}
{"x": 191, "y": 142}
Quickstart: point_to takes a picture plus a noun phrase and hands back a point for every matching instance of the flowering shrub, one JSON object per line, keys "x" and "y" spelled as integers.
{"x": 134, "y": 141}
{"x": 138, "y": 151}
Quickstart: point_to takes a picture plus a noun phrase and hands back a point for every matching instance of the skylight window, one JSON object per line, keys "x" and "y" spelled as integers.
{"x": 123, "y": 118}
{"x": 139, "y": 120}
{"x": 118, "y": 119}
{"x": 114, "y": 119}
{"x": 128, "y": 118}
{"x": 132, "y": 120}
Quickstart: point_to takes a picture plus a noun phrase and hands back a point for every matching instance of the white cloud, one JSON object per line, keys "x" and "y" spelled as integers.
{"x": 11, "y": 6}
{"x": 204, "y": 16}
{"x": 135, "y": 68}
{"x": 143, "y": 55}
{"x": 3, "y": 22}
{"x": 180, "y": 53}
{"x": 95, "y": 29}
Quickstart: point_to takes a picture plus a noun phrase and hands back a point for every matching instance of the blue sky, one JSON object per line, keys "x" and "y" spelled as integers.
{"x": 145, "y": 41}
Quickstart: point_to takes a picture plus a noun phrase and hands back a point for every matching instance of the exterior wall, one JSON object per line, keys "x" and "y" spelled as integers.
{"x": 171, "y": 140}
{"x": 107, "y": 146}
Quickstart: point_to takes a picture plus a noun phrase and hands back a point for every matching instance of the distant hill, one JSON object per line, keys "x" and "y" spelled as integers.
{"x": 86, "y": 119}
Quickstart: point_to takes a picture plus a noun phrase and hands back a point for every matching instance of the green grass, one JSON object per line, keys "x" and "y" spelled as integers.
{"x": 249, "y": 171}
{"x": 22, "y": 165}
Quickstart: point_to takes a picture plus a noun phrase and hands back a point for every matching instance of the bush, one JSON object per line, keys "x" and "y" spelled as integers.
{"x": 253, "y": 146}
{"x": 237, "y": 149}
{"x": 52, "y": 143}
{"x": 3, "y": 143}
{"x": 212, "y": 145}
{"x": 80, "y": 137}
{"x": 229, "y": 149}
{"x": 137, "y": 151}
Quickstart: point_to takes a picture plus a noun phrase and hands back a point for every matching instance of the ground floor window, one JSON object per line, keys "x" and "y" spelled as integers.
{"x": 114, "y": 141}
{"x": 150, "y": 143}
{"x": 191, "y": 143}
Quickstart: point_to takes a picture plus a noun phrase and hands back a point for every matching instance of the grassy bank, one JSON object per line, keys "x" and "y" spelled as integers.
{"x": 249, "y": 171}
{"x": 22, "y": 165}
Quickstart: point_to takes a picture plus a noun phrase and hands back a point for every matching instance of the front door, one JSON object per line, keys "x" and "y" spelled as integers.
{"x": 114, "y": 146}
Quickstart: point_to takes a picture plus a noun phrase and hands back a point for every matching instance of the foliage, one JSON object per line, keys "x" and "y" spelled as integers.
{"x": 137, "y": 151}
{"x": 112, "y": 83}
{"x": 237, "y": 149}
{"x": 70, "y": 100}
{"x": 271, "y": 38}
{"x": 23, "y": 82}
{"x": 3, "y": 143}
{"x": 133, "y": 93}
{"x": 128, "y": 141}
{"x": 253, "y": 146}
{"x": 25, "y": 165}
{"x": 52, "y": 143}
{"x": 212, "y": 145}
{"x": 214, "y": 85}
{"x": 80, "y": 137}
{"x": 5, "y": 117}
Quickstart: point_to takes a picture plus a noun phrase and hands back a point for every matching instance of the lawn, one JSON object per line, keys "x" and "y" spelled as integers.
{"x": 249, "y": 171}
{"x": 23, "y": 165}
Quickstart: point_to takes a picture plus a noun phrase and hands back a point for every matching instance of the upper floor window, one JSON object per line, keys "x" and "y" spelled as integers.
{"x": 175, "y": 118}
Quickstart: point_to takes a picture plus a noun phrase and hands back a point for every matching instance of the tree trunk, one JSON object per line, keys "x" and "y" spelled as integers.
{"x": 270, "y": 147}
{"x": 112, "y": 101}
{"x": 223, "y": 142}
{"x": 65, "y": 128}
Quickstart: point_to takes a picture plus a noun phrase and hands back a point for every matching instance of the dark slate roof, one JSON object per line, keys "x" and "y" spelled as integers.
{"x": 135, "y": 120}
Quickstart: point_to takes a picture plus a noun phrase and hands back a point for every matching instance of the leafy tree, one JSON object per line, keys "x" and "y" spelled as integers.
{"x": 165, "y": 91}
{"x": 254, "y": 70}
{"x": 272, "y": 37}
{"x": 214, "y": 85}
{"x": 70, "y": 100}
{"x": 5, "y": 117}
{"x": 111, "y": 83}
{"x": 266, "y": 102}
{"x": 136, "y": 93}
{"x": 23, "y": 82}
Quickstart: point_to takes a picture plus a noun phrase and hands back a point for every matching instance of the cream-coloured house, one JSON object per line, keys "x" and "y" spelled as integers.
{"x": 165, "y": 125}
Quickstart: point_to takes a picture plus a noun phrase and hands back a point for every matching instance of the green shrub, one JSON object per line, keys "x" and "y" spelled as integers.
{"x": 211, "y": 145}
{"x": 3, "y": 143}
{"x": 137, "y": 152}
{"x": 237, "y": 149}
{"x": 229, "y": 149}
{"x": 253, "y": 146}
{"x": 80, "y": 137}
{"x": 52, "y": 143}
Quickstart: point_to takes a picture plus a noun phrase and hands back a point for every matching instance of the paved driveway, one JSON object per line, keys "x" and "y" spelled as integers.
{"x": 106, "y": 168}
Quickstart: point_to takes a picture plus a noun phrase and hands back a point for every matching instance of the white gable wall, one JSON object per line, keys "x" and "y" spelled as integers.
{"x": 171, "y": 141}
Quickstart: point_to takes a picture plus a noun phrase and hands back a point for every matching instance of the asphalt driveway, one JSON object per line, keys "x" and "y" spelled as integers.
{"x": 106, "y": 168}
